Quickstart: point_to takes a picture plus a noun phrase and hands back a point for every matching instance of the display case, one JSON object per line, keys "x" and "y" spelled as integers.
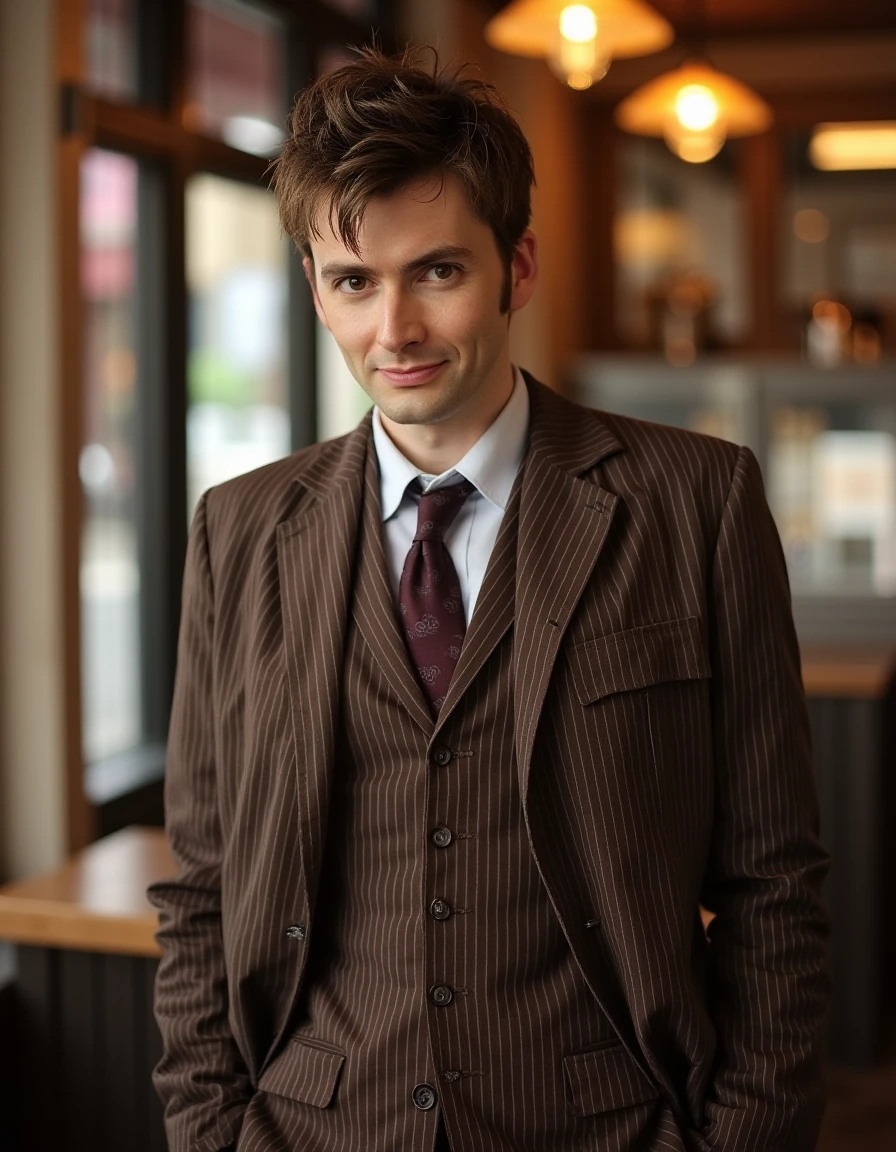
{"x": 826, "y": 443}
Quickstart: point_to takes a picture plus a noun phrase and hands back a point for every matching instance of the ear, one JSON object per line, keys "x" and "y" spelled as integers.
{"x": 308, "y": 266}
{"x": 523, "y": 270}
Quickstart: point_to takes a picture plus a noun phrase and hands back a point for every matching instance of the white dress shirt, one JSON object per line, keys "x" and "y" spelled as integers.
{"x": 490, "y": 465}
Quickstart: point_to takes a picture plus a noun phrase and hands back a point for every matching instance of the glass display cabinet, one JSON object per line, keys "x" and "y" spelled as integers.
{"x": 826, "y": 442}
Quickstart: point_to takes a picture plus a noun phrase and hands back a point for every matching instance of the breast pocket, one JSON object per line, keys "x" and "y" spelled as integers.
{"x": 668, "y": 650}
{"x": 645, "y": 719}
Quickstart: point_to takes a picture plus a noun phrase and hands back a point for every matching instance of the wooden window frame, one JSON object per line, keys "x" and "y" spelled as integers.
{"x": 154, "y": 131}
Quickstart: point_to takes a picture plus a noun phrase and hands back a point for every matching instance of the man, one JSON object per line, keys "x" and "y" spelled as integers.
{"x": 475, "y": 706}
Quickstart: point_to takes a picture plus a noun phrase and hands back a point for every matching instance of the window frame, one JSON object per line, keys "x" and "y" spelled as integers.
{"x": 127, "y": 786}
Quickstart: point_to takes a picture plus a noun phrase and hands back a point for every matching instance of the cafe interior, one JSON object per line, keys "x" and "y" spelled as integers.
{"x": 716, "y": 214}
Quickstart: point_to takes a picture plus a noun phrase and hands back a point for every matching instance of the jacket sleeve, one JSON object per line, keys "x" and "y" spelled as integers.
{"x": 769, "y": 984}
{"x": 201, "y": 1078}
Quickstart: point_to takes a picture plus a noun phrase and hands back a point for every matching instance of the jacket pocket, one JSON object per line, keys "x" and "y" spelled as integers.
{"x": 604, "y": 1079}
{"x": 639, "y": 657}
{"x": 306, "y": 1071}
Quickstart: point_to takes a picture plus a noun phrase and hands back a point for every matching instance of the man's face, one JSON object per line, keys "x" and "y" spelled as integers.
{"x": 417, "y": 314}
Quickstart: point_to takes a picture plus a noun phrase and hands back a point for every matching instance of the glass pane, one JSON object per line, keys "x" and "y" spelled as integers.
{"x": 839, "y": 245}
{"x": 680, "y": 259}
{"x": 236, "y": 74}
{"x": 237, "y": 275}
{"x": 716, "y": 400}
{"x": 832, "y": 489}
{"x": 111, "y": 48}
{"x": 110, "y": 576}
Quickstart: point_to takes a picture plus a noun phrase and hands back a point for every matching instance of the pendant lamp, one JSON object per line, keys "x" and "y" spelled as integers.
{"x": 578, "y": 39}
{"x": 694, "y": 107}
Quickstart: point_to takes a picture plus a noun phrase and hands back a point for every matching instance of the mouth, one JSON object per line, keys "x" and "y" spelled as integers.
{"x": 407, "y": 377}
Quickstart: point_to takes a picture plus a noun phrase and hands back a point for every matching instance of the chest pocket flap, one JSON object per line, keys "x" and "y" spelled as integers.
{"x": 637, "y": 657}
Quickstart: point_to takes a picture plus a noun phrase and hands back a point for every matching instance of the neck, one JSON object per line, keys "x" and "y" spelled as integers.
{"x": 436, "y": 448}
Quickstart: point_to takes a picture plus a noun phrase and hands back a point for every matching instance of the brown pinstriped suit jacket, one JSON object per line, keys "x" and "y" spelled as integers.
{"x": 651, "y": 593}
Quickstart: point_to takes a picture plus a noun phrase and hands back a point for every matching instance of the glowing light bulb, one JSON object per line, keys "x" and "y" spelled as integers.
{"x": 696, "y": 107}
{"x": 578, "y": 59}
{"x": 695, "y": 129}
{"x": 578, "y": 23}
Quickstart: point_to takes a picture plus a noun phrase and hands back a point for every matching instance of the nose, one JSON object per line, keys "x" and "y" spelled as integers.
{"x": 401, "y": 321}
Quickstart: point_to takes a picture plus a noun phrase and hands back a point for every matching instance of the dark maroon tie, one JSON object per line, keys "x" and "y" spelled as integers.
{"x": 429, "y": 599}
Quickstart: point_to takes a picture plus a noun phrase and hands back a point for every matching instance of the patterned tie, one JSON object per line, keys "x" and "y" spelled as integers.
{"x": 429, "y": 600}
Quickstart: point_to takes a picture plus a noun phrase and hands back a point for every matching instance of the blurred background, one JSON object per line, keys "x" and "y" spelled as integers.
{"x": 716, "y": 210}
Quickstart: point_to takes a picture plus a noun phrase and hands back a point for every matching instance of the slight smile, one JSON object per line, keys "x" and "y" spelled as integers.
{"x": 405, "y": 377}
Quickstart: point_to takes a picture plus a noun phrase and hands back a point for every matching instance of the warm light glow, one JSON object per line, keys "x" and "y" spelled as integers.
{"x": 696, "y": 107}
{"x": 854, "y": 146}
{"x": 580, "y": 80}
{"x": 811, "y": 226}
{"x": 579, "y": 64}
{"x": 578, "y": 23}
{"x": 579, "y": 40}
{"x": 695, "y": 147}
{"x": 579, "y": 58}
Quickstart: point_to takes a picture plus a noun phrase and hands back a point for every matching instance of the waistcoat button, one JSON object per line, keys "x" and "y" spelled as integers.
{"x": 441, "y": 995}
{"x": 440, "y": 909}
{"x": 441, "y": 755}
{"x": 423, "y": 1097}
{"x": 295, "y": 932}
{"x": 441, "y": 836}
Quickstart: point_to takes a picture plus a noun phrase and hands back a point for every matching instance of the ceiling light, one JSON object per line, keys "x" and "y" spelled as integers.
{"x": 578, "y": 40}
{"x": 695, "y": 108}
{"x": 853, "y": 146}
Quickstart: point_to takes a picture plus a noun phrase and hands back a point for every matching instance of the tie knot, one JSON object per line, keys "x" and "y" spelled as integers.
{"x": 437, "y": 509}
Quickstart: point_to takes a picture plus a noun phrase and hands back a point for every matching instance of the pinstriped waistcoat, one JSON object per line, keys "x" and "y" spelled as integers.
{"x": 484, "y": 1005}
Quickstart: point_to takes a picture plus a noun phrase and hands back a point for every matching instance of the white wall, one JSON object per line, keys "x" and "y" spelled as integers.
{"x": 32, "y": 781}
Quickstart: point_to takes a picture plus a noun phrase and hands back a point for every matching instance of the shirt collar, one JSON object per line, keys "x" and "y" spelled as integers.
{"x": 491, "y": 464}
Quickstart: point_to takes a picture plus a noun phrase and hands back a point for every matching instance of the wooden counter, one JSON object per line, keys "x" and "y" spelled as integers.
{"x": 96, "y": 902}
{"x": 848, "y": 672}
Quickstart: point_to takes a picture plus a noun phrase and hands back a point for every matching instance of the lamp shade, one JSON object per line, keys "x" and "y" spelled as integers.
{"x": 649, "y": 110}
{"x": 624, "y": 27}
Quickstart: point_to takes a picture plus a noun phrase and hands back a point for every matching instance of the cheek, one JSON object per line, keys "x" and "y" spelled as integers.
{"x": 476, "y": 321}
{"x": 348, "y": 329}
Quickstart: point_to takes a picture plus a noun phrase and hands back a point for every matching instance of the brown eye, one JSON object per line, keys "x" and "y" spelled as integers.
{"x": 356, "y": 283}
{"x": 442, "y": 271}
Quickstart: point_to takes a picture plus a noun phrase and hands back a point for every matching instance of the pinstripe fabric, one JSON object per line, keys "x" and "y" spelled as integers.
{"x": 661, "y": 751}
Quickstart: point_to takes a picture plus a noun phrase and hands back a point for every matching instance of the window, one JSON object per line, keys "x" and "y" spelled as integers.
{"x": 110, "y": 569}
{"x": 188, "y": 332}
{"x": 238, "y": 279}
{"x": 237, "y": 74}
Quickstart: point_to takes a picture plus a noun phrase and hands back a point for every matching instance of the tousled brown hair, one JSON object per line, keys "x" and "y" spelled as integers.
{"x": 380, "y": 123}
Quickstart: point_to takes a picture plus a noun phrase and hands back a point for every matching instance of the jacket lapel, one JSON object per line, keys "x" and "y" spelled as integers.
{"x": 564, "y": 522}
{"x": 374, "y": 604}
{"x": 316, "y": 554}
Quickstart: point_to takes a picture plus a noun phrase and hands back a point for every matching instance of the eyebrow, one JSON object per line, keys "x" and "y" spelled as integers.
{"x": 336, "y": 270}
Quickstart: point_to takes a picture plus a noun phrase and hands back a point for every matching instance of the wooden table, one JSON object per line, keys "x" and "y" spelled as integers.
{"x": 96, "y": 902}
{"x": 84, "y": 1033}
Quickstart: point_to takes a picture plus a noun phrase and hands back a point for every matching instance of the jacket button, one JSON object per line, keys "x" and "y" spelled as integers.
{"x": 441, "y": 994}
{"x": 423, "y": 1097}
{"x": 441, "y": 755}
{"x": 441, "y": 836}
{"x": 440, "y": 909}
{"x": 295, "y": 932}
